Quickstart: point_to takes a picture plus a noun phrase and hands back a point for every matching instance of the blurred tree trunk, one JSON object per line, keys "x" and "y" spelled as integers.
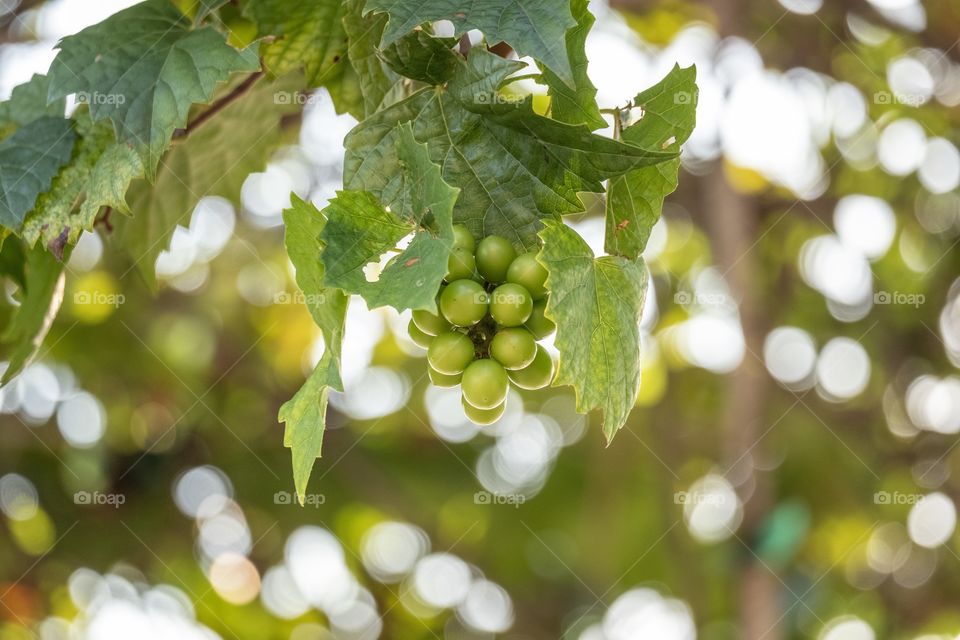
{"x": 731, "y": 221}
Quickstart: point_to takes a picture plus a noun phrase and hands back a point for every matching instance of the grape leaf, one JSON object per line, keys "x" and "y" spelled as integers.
{"x": 40, "y": 299}
{"x": 576, "y": 104}
{"x": 514, "y": 168}
{"x": 29, "y": 160}
{"x": 27, "y": 102}
{"x": 374, "y": 77}
{"x": 359, "y": 230}
{"x": 303, "y": 225}
{"x": 98, "y": 175}
{"x": 422, "y": 57}
{"x": 635, "y": 200}
{"x": 304, "y": 415}
{"x": 214, "y": 159}
{"x": 596, "y": 304}
{"x": 532, "y": 27}
{"x": 143, "y": 68}
{"x": 310, "y": 36}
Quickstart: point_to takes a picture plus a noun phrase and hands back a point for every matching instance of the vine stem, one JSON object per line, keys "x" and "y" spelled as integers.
{"x": 219, "y": 105}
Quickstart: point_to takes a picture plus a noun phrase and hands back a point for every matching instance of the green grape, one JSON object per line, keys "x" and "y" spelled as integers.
{"x": 484, "y": 384}
{"x": 510, "y": 305}
{"x": 494, "y": 255}
{"x": 442, "y": 379}
{"x": 529, "y": 274}
{"x": 419, "y": 337}
{"x": 537, "y": 374}
{"x": 482, "y": 416}
{"x": 430, "y": 323}
{"x": 514, "y": 348}
{"x": 450, "y": 353}
{"x": 538, "y": 324}
{"x": 464, "y": 303}
{"x": 461, "y": 264}
{"x": 462, "y": 238}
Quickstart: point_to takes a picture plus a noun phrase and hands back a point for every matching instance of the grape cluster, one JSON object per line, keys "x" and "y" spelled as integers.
{"x": 490, "y": 318}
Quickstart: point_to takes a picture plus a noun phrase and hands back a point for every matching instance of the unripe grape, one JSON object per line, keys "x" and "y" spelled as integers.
{"x": 450, "y": 353}
{"x": 482, "y": 416}
{"x": 461, "y": 264}
{"x": 462, "y": 238}
{"x": 510, "y": 305}
{"x": 430, "y": 323}
{"x": 538, "y": 324}
{"x": 514, "y": 348}
{"x": 537, "y": 374}
{"x": 528, "y": 273}
{"x": 494, "y": 255}
{"x": 484, "y": 384}
{"x": 419, "y": 338}
{"x": 442, "y": 379}
{"x": 464, "y": 303}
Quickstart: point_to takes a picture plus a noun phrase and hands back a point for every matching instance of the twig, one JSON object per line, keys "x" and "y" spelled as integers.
{"x": 220, "y": 104}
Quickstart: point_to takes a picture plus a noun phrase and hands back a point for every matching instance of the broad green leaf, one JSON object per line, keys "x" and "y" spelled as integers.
{"x": 40, "y": 299}
{"x": 97, "y": 176}
{"x": 576, "y": 104}
{"x": 635, "y": 200}
{"x": 309, "y": 35}
{"x": 29, "y": 160}
{"x": 359, "y": 230}
{"x": 422, "y": 57}
{"x": 143, "y": 68}
{"x": 305, "y": 413}
{"x": 514, "y": 167}
{"x": 533, "y": 28}
{"x": 374, "y": 77}
{"x": 199, "y": 9}
{"x": 303, "y": 225}
{"x": 27, "y": 102}
{"x": 596, "y": 304}
{"x": 213, "y": 160}
{"x": 304, "y": 417}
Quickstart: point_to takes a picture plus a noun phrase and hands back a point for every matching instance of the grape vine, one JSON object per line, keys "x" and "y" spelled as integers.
{"x": 181, "y": 99}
